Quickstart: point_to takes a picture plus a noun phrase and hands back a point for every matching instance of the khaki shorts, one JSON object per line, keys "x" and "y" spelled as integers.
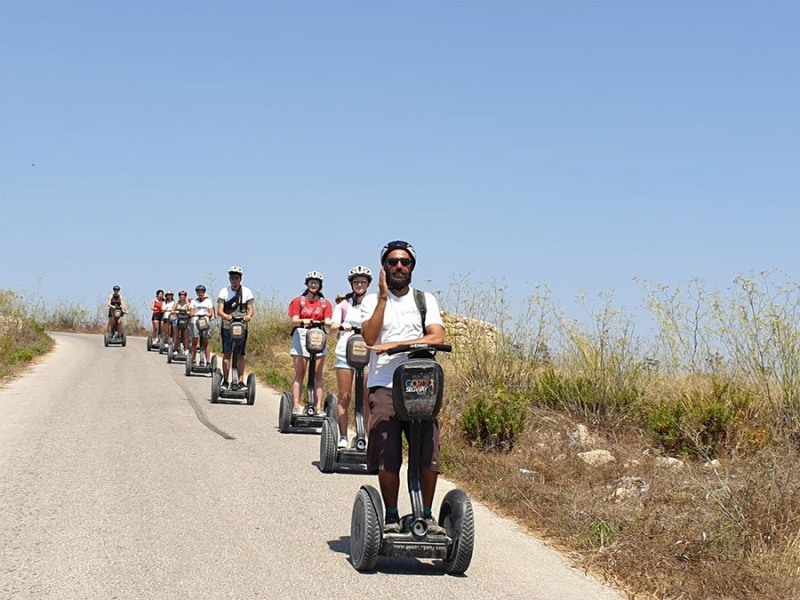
{"x": 385, "y": 447}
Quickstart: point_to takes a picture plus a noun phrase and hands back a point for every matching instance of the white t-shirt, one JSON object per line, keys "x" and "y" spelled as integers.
{"x": 202, "y": 308}
{"x": 352, "y": 316}
{"x": 245, "y": 298}
{"x": 167, "y": 307}
{"x": 401, "y": 322}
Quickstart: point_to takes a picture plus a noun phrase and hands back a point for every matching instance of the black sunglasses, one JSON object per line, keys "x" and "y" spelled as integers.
{"x": 403, "y": 261}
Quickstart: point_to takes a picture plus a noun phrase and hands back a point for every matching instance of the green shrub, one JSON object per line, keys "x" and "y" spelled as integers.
{"x": 494, "y": 420}
{"x": 585, "y": 397}
{"x": 665, "y": 426}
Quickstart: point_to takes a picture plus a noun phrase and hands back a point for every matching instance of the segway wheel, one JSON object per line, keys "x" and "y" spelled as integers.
{"x": 332, "y": 406}
{"x": 214, "y": 362}
{"x": 458, "y": 520}
{"x": 170, "y": 350}
{"x": 365, "y": 531}
{"x": 105, "y": 339}
{"x": 251, "y": 389}
{"x": 328, "y": 442}
{"x": 124, "y": 340}
{"x": 285, "y": 413}
{"x": 149, "y": 343}
{"x": 188, "y": 369}
{"x": 216, "y": 384}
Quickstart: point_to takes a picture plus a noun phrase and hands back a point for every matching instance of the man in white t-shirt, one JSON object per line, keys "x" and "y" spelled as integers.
{"x": 234, "y": 302}
{"x": 201, "y": 311}
{"x": 392, "y": 318}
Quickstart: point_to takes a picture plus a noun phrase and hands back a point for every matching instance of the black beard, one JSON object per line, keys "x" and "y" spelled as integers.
{"x": 397, "y": 283}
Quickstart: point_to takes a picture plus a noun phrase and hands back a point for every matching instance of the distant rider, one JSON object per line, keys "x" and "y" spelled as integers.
{"x": 346, "y": 316}
{"x": 115, "y": 301}
{"x": 202, "y": 308}
{"x": 234, "y": 301}
{"x": 309, "y": 306}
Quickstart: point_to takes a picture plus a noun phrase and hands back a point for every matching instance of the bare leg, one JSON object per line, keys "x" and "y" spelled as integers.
{"x": 318, "y": 382}
{"x": 344, "y": 383}
{"x": 390, "y": 487}
{"x": 297, "y": 383}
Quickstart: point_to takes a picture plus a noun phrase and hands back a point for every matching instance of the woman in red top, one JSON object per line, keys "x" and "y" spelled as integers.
{"x": 158, "y": 312}
{"x": 309, "y": 306}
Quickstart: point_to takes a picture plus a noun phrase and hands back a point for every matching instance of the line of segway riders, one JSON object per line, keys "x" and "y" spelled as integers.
{"x": 387, "y": 346}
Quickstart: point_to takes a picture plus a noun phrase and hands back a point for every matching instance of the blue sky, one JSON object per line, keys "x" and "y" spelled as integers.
{"x": 573, "y": 144}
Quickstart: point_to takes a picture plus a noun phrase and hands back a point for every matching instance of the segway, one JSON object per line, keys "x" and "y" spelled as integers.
{"x": 164, "y": 343}
{"x": 202, "y": 368}
{"x": 117, "y": 338}
{"x": 153, "y": 344}
{"x": 316, "y": 341}
{"x": 178, "y": 354}
{"x": 417, "y": 396}
{"x": 357, "y": 355}
{"x": 237, "y": 390}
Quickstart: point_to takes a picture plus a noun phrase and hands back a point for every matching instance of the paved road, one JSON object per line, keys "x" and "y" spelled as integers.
{"x": 119, "y": 479}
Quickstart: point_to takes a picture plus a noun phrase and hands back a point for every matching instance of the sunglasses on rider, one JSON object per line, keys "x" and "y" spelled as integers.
{"x": 403, "y": 261}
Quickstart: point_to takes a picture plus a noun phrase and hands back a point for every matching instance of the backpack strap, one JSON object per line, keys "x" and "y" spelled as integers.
{"x": 419, "y": 298}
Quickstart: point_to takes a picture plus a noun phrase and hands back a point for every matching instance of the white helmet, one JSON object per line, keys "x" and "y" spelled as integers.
{"x": 314, "y": 275}
{"x": 359, "y": 270}
{"x": 234, "y": 269}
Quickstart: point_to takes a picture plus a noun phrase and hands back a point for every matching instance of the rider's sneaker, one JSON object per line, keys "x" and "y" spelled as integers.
{"x": 391, "y": 527}
{"x": 225, "y": 385}
{"x": 433, "y": 527}
{"x": 321, "y": 412}
{"x": 297, "y": 410}
{"x": 342, "y": 442}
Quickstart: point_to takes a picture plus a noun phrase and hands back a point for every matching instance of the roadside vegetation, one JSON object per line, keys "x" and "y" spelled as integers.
{"x": 667, "y": 465}
{"x": 22, "y": 338}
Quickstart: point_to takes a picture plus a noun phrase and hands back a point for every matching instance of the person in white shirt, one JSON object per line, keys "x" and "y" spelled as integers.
{"x": 166, "y": 318}
{"x": 201, "y": 310}
{"x": 346, "y": 317}
{"x": 392, "y": 318}
{"x": 234, "y": 301}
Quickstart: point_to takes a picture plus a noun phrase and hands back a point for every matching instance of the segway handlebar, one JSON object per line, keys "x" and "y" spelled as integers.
{"x": 417, "y": 347}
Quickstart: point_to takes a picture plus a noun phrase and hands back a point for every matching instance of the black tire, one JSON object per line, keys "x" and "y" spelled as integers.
{"x": 285, "y": 413}
{"x": 105, "y": 339}
{"x": 216, "y": 384}
{"x": 332, "y": 406}
{"x": 458, "y": 520}
{"x": 328, "y": 443}
{"x": 124, "y": 340}
{"x": 188, "y": 369}
{"x": 170, "y": 350}
{"x": 365, "y": 532}
{"x": 251, "y": 389}
{"x": 213, "y": 362}
{"x": 149, "y": 343}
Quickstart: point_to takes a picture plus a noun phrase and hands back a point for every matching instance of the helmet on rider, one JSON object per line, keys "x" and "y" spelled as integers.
{"x": 399, "y": 245}
{"x": 200, "y": 288}
{"x": 116, "y": 288}
{"x": 314, "y": 275}
{"x": 183, "y": 293}
{"x": 234, "y": 270}
{"x": 359, "y": 270}
{"x": 169, "y": 293}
